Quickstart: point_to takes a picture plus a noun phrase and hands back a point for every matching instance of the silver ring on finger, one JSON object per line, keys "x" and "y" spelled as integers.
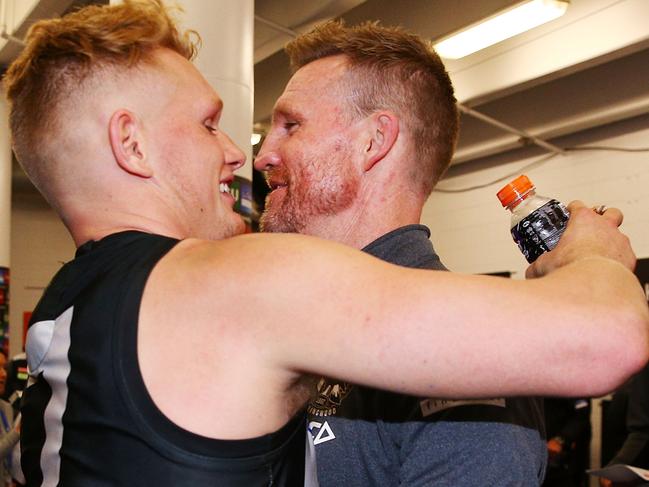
{"x": 600, "y": 210}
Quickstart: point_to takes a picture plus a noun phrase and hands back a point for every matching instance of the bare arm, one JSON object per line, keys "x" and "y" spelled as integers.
{"x": 449, "y": 335}
{"x": 453, "y": 335}
{"x": 260, "y": 310}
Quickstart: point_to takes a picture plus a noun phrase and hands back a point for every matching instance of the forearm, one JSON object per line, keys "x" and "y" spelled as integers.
{"x": 452, "y": 335}
{"x": 547, "y": 336}
{"x": 599, "y": 311}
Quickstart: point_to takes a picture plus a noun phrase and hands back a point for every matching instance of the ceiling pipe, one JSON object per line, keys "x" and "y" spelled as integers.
{"x": 277, "y": 27}
{"x": 3, "y": 26}
{"x": 5, "y": 35}
{"x": 557, "y": 127}
{"x": 525, "y": 137}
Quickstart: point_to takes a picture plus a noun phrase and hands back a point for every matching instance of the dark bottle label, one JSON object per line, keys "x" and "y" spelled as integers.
{"x": 540, "y": 231}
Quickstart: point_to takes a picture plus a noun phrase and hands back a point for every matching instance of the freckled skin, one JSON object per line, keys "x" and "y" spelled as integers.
{"x": 314, "y": 188}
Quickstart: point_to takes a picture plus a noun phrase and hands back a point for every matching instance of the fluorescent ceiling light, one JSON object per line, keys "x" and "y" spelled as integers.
{"x": 255, "y": 138}
{"x": 509, "y": 23}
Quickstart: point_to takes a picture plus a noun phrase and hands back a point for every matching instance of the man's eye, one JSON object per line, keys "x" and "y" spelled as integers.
{"x": 290, "y": 126}
{"x": 211, "y": 129}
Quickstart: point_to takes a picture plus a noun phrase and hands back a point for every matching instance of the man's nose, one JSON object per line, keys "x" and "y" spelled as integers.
{"x": 265, "y": 160}
{"x": 233, "y": 155}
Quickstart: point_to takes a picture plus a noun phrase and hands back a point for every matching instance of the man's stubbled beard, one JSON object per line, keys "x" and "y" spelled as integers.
{"x": 315, "y": 189}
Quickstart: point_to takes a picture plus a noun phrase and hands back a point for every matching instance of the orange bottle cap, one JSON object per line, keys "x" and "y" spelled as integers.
{"x": 514, "y": 190}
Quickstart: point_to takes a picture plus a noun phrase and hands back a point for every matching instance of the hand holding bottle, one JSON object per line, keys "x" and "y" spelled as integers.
{"x": 587, "y": 235}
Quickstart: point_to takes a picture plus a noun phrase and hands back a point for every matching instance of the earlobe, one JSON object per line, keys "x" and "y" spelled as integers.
{"x": 384, "y": 132}
{"x": 127, "y": 143}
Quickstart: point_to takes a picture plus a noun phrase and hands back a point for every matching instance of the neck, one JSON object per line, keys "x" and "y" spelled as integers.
{"x": 367, "y": 219}
{"x": 95, "y": 219}
{"x": 86, "y": 229}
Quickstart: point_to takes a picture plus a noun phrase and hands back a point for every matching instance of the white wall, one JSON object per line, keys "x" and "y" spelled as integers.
{"x": 470, "y": 230}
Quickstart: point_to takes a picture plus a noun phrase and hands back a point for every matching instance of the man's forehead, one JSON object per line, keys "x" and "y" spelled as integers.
{"x": 315, "y": 80}
{"x": 187, "y": 78}
{"x": 324, "y": 70}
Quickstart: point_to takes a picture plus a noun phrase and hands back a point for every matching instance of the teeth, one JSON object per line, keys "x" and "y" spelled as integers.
{"x": 224, "y": 187}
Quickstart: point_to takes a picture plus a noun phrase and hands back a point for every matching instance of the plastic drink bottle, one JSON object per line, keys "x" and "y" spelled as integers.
{"x": 537, "y": 222}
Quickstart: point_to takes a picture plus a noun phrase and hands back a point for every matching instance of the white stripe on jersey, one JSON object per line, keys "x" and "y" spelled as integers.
{"x": 310, "y": 467}
{"x": 48, "y": 343}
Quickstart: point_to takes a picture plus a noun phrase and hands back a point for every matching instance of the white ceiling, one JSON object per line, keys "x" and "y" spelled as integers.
{"x": 588, "y": 68}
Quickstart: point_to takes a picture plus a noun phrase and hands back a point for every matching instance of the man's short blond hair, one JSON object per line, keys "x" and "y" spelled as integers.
{"x": 62, "y": 54}
{"x": 392, "y": 69}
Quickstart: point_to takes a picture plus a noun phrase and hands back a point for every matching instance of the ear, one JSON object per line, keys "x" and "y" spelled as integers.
{"x": 127, "y": 143}
{"x": 384, "y": 129}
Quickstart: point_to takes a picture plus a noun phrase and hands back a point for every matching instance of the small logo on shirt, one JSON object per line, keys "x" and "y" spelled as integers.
{"x": 320, "y": 432}
{"x": 432, "y": 406}
{"x": 330, "y": 395}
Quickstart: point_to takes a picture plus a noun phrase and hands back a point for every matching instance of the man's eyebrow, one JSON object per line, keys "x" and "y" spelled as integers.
{"x": 284, "y": 111}
{"x": 211, "y": 107}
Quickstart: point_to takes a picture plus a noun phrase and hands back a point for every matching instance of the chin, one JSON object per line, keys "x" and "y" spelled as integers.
{"x": 235, "y": 226}
{"x": 240, "y": 228}
{"x": 271, "y": 223}
{"x": 224, "y": 227}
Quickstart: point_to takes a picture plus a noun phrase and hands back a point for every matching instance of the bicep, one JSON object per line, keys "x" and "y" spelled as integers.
{"x": 353, "y": 317}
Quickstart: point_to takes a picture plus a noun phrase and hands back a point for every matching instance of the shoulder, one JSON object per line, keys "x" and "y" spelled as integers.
{"x": 209, "y": 323}
{"x": 263, "y": 257}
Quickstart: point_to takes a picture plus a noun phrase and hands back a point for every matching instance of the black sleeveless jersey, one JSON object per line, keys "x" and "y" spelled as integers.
{"x": 88, "y": 419}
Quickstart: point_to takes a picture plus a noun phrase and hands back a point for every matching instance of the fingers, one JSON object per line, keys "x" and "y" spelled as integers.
{"x": 534, "y": 269}
{"x": 612, "y": 214}
{"x": 530, "y": 272}
{"x": 575, "y": 205}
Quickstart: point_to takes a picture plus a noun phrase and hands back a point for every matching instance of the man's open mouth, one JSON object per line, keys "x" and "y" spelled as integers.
{"x": 274, "y": 184}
